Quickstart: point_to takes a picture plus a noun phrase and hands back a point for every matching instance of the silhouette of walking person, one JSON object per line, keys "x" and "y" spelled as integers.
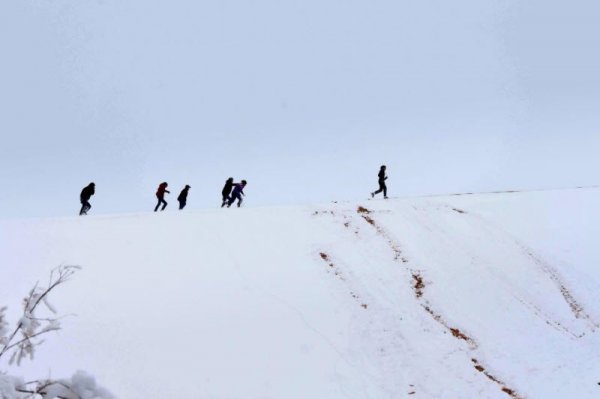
{"x": 85, "y": 196}
{"x": 227, "y": 191}
{"x": 160, "y": 195}
{"x": 183, "y": 197}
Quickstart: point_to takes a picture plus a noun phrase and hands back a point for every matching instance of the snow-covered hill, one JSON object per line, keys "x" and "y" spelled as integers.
{"x": 472, "y": 296}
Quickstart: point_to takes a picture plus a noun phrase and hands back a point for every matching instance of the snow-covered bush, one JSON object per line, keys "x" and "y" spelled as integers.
{"x": 19, "y": 343}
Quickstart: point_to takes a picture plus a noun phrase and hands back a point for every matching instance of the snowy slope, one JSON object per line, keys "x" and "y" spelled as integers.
{"x": 472, "y": 296}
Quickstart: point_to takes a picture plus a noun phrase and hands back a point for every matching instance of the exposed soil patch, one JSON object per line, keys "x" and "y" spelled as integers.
{"x": 510, "y": 392}
{"x": 458, "y": 210}
{"x": 329, "y": 262}
{"x": 362, "y": 209}
{"x": 456, "y": 333}
{"x": 325, "y": 257}
{"x": 338, "y": 273}
{"x": 418, "y": 284}
{"x": 369, "y": 220}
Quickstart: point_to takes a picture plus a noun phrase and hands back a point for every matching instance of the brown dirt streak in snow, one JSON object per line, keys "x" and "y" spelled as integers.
{"x": 576, "y": 308}
{"x": 397, "y": 252}
{"x": 511, "y": 392}
{"x": 419, "y": 285}
{"x": 418, "y": 288}
{"x": 369, "y": 220}
{"x": 336, "y": 271}
{"x": 362, "y": 209}
{"x": 456, "y": 333}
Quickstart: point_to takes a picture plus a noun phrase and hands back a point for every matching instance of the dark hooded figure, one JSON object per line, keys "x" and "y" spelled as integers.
{"x": 183, "y": 197}
{"x": 160, "y": 195}
{"x": 238, "y": 191}
{"x": 227, "y": 191}
{"x": 382, "y": 186}
{"x": 85, "y": 196}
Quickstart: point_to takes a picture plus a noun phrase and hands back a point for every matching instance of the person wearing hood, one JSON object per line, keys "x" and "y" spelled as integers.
{"x": 238, "y": 191}
{"x": 227, "y": 191}
{"x": 183, "y": 197}
{"x": 160, "y": 195}
{"x": 85, "y": 196}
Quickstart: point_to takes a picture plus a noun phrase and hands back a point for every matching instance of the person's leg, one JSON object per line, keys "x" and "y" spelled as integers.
{"x": 181, "y": 205}
{"x": 158, "y": 204}
{"x": 225, "y": 200}
{"x": 384, "y": 190}
{"x": 82, "y": 211}
{"x": 232, "y": 199}
{"x": 240, "y": 199}
{"x": 381, "y": 185}
{"x": 88, "y": 206}
{"x": 164, "y": 204}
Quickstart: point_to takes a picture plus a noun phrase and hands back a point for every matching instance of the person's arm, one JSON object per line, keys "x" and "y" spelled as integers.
{"x": 167, "y": 191}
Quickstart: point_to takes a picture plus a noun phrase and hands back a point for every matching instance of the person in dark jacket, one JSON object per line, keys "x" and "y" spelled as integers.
{"x": 160, "y": 194}
{"x": 227, "y": 191}
{"x": 85, "y": 196}
{"x": 382, "y": 186}
{"x": 238, "y": 191}
{"x": 183, "y": 197}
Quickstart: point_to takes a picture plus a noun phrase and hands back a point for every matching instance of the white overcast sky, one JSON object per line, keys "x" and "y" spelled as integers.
{"x": 304, "y": 99}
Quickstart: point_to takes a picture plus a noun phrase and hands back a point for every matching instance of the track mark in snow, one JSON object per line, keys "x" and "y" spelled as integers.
{"x": 504, "y": 388}
{"x": 364, "y": 212}
{"x": 327, "y": 259}
{"x": 336, "y": 270}
{"x": 316, "y": 213}
{"x": 576, "y": 308}
{"x": 418, "y": 284}
{"x": 558, "y": 326}
{"x": 456, "y": 333}
{"x": 418, "y": 288}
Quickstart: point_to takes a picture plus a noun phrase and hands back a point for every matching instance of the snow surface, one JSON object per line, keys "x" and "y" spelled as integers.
{"x": 470, "y": 296}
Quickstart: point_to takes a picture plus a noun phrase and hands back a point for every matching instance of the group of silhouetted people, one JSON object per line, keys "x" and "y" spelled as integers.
{"x": 231, "y": 192}
{"x": 162, "y": 190}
